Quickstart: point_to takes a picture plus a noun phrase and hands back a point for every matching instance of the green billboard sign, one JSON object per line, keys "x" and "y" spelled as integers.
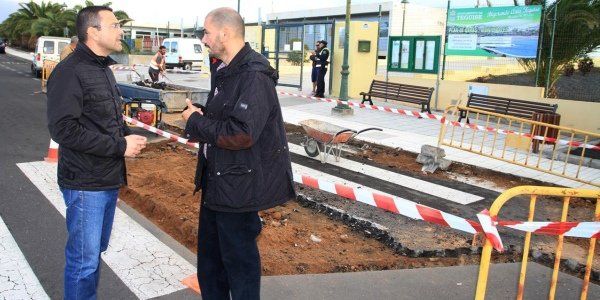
{"x": 510, "y": 31}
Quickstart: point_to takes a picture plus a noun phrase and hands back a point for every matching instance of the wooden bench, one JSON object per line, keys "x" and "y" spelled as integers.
{"x": 399, "y": 92}
{"x": 506, "y": 106}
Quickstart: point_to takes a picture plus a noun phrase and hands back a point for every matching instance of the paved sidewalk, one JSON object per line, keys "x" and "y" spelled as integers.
{"x": 452, "y": 283}
{"x": 19, "y": 53}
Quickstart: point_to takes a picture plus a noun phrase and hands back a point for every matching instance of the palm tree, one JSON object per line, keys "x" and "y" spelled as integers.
{"x": 122, "y": 16}
{"x": 52, "y": 20}
{"x": 32, "y": 20}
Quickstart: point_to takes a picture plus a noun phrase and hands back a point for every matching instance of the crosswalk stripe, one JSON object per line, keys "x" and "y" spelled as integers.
{"x": 17, "y": 280}
{"x": 399, "y": 179}
{"x": 148, "y": 267}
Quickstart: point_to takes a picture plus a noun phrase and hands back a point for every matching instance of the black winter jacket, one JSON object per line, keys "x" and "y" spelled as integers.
{"x": 85, "y": 119}
{"x": 247, "y": 165}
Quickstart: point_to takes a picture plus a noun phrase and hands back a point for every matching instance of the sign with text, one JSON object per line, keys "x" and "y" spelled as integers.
{"x": 510, "y": 31}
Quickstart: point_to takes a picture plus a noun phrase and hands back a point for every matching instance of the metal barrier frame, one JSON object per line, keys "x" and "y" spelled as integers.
{"x": 47, "y": 68}
{"x": 534, "y": 192}
{"x": 561, "y": 129}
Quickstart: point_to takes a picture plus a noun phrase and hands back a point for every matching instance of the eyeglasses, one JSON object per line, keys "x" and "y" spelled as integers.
{"x": 113, "y": 25}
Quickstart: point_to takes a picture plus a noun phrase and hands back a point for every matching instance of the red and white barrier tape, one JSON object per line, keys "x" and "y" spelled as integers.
{"x": 126, "y": 68}
{"x": 162, "y": 133}
{"x": 122, "y": 68}
{"x": 573, "y": 229}
{"x": 421, "y": 212}
{"x": 441, "y": 119}
{"x": 390, "y": 203}
{"x": 488, "y": 227}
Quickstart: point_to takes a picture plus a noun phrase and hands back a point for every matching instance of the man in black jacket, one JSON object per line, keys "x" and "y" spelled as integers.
{"x": 85, "y": 118}
{"x": 243, "y": 164}
{"x": 321, "y": 60}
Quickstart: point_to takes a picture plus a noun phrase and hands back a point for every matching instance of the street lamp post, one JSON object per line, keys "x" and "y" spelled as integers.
{"x": 404, "y": 2}
{"x": 342, "y": 107}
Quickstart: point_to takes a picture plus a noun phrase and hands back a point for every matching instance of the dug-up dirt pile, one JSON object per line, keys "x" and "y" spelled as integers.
{"x": 294, "y": 239}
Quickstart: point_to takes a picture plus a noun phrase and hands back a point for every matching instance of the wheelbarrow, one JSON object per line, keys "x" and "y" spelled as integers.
{"x": 326, "y": 139}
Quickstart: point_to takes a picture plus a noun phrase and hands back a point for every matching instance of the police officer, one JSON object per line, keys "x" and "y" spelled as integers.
{"x": 321, "y": 62}
{"x": 315, "y": 71}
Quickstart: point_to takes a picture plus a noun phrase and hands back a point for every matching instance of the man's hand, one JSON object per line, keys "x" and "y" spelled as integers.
{"x": 135, "y": 144}
{"x": 189, "y": 110}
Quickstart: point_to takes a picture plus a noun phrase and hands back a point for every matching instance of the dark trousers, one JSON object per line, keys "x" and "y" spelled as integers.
{"x": 228, "y": 258}
{"x": 153, "y": 74}
{"x": 321, "y": 83}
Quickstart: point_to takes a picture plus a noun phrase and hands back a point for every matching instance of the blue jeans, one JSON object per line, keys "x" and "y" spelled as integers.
{"x": 90, "y": 217}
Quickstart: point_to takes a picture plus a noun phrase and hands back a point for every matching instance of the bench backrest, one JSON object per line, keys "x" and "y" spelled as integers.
{"x": 415, "y": 92}
{"x": 525, "y": 109}
{"x": 508, "y": 106}
{"x": 489, "y": 103}
{"x": 384, "y": 89}
{"x": 400, "y": 91}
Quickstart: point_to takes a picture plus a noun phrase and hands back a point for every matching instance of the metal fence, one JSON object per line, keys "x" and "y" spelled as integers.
{"x": 536, "y": 193}
{"x": 553, "y": 149}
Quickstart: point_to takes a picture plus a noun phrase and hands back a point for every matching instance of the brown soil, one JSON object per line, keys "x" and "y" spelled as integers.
{"x": 160, "y": 185}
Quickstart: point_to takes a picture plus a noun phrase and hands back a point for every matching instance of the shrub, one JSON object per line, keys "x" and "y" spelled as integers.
{"x": 295, "y": 58}
{"x": 585, "y": 65}
{"x": 568, "y": 70}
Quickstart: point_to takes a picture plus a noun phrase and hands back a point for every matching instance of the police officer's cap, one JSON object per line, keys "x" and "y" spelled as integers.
{"x": 324, "y": 42}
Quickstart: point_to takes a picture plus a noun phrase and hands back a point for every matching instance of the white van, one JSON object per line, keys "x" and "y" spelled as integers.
{"x": 183, "y": 53}
{"x": 47, "y": 48}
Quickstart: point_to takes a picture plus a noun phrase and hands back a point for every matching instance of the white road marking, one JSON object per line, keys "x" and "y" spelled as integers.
{"x": 399, "y": 179}
{"x": 17, "y": 280}
{"x": 147, "y": 266}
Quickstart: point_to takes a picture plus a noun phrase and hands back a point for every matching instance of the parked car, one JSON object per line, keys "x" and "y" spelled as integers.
{"x": 183, "y": 53}
{"x": 3, "y": 44}
{"x": 47, "y": 48}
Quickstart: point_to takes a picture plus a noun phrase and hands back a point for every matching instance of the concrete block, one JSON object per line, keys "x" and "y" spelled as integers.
{"x": 433, "y": 151}
{"x": 431, "y": 158}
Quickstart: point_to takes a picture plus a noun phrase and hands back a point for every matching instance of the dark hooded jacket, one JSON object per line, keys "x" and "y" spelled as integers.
{"x": 247, "y": 164}
{"x": 85, "y": 119}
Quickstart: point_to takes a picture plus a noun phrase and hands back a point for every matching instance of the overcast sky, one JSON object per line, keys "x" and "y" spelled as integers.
{"x": 175, "y": 10}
